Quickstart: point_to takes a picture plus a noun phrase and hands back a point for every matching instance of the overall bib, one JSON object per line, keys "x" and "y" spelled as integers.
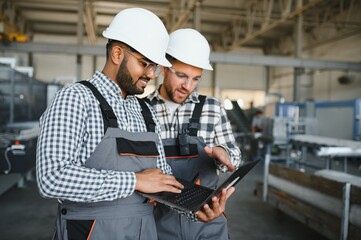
{"x": 188, "y": 160}
{"x": 125, "y": 218}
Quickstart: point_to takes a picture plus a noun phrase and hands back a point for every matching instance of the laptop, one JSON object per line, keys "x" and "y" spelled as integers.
{"x": 193, "y": 197}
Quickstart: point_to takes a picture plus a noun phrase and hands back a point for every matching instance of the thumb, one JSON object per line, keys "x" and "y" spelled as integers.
{"x": 208, "y": 151}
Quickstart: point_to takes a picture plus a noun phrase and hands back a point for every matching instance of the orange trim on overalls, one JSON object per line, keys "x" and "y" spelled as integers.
{"x": 91, "y": 230}
{"x": 136, "y": 155}
{"x": 188, "y": 156}
{"x": 198, "y": 181}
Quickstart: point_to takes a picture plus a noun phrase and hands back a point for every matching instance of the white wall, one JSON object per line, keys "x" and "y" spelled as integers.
{"x": 319, "y": 84}
{"x": 48, "y": 67}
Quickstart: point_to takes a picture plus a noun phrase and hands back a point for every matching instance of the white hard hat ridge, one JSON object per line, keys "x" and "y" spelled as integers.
{"x": 142, "y": 30}
{"x": 191, "y": 47}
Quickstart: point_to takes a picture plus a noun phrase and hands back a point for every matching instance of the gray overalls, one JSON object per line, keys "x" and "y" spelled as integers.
{"x": 188, "y": 160}
{"x": 125, "y": 218}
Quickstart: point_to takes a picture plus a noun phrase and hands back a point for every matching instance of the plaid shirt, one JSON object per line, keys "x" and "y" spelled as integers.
{"x": 71, "y": 129}
{"x": 214, "y": 125}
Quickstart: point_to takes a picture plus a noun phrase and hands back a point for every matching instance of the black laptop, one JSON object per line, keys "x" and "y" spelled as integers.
{"x": 193, "y": 196}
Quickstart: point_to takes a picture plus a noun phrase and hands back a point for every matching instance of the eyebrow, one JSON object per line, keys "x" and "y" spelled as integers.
{"x": 188, "y": 75}
{"x": 179, "y": 72}
{"x": 131, "y": 49}
{"x": 147, "y": 59}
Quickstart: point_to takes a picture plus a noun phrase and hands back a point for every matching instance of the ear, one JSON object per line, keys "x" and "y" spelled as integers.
{"x": 117, "y": 55}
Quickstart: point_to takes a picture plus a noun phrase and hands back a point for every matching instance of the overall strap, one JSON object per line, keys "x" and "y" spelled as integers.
{"x": 193, "y": 126}
{"x": 109, "y": 118}
{"x": 147, "y": 115}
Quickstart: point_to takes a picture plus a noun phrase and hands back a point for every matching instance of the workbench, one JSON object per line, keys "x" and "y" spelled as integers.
{"x": 328, "y": 148}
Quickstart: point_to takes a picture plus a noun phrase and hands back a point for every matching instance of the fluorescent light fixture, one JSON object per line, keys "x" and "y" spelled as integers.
{"x": 228, "y": 104}
{"x": 240, "y": 102}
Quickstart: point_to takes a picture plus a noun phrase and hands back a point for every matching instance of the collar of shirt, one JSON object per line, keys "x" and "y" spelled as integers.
{"x": 105, "y": 85}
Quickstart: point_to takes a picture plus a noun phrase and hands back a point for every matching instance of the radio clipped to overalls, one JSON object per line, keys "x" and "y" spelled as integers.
{"x": 191, "y": 130}
{"x": 119, "y": 150}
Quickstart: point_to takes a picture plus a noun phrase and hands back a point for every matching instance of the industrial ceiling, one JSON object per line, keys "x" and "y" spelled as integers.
{"x": 227, "y": 24}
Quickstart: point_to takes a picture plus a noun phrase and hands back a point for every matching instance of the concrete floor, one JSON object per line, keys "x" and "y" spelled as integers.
{"x": 251, "y": 219}
{"x": 25, "y": 215}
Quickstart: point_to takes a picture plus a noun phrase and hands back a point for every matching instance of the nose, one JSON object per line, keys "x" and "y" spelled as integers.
{"x": 187, "y": 84}
{"x": 150, "y": 73}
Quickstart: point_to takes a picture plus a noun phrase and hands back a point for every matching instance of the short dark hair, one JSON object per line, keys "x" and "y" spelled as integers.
{"x": 171, "y": 58}
{"x": 112, "y": 42}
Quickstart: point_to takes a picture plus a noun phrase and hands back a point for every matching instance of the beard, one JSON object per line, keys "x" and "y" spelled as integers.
{"x": 125, "y": 80}
{"x": 171, "y": 92}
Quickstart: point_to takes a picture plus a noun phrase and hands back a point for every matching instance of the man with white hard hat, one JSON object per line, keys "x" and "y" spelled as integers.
{"x": 99, "y": 144}
{"x": 196, "y": 135}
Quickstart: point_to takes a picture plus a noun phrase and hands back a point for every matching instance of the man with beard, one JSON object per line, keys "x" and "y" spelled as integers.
{"x": 196, "y": 135}
{"x": 99, "y": 144}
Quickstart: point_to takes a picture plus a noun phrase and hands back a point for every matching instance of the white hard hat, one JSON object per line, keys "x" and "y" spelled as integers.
{"x": 191, "y": 47}
{"x": 141, "y": 30}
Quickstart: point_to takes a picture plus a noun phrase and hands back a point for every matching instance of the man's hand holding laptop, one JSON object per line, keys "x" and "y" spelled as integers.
{"x": 209, "y": 213}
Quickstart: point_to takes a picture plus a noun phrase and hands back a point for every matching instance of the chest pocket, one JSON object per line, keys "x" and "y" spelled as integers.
{"x": 121, "y": 150}
{"x": 128, "y": 147}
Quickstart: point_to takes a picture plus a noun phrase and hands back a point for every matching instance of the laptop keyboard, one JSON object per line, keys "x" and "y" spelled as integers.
{"x": 191, "y": 196}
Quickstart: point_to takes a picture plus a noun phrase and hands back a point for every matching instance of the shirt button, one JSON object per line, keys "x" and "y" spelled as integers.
{"x": 63, "y": 211}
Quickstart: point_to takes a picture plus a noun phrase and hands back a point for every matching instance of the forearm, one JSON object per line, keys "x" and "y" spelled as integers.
{"x": 224, "y": 138}
{"x": 61, "y": 173}
{"x": 234, "y": 155}
{"x": 81, "y": 184}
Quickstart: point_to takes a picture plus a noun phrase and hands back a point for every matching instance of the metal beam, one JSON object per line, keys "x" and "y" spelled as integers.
{"x": 216, "y": 57}
{"x": 197, "y": 18}
{"x": 274, "y": 61}
{"x": 52, "y": 48}
{"x": 89, "y": 22}
{"x": 183, "y": 19}
{"x": 298, "y": 54}
{"x": 80, "y": 36}
{"x": 276, "y": 23}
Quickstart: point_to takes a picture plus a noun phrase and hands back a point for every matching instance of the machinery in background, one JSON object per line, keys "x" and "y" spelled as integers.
{"x": 251, "y": 144}
{"x": 338, "y": 119}
{"x": 22, "y": 101}
{"x": 334, "y": 119}
{"x": 296, "y": 130}
{"x": 302, "y": 130}
{"x": 18, "y": 153}
{"x": 241, "y": 127}
{"x": 18, "y": 147}
{"x": 310, "y": 136}
{"x": 9, "y": 31}
{"x": 286, "y": 119}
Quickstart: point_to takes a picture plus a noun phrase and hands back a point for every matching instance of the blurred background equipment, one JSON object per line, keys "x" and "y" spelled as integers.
{"x": 22, "y": 101}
